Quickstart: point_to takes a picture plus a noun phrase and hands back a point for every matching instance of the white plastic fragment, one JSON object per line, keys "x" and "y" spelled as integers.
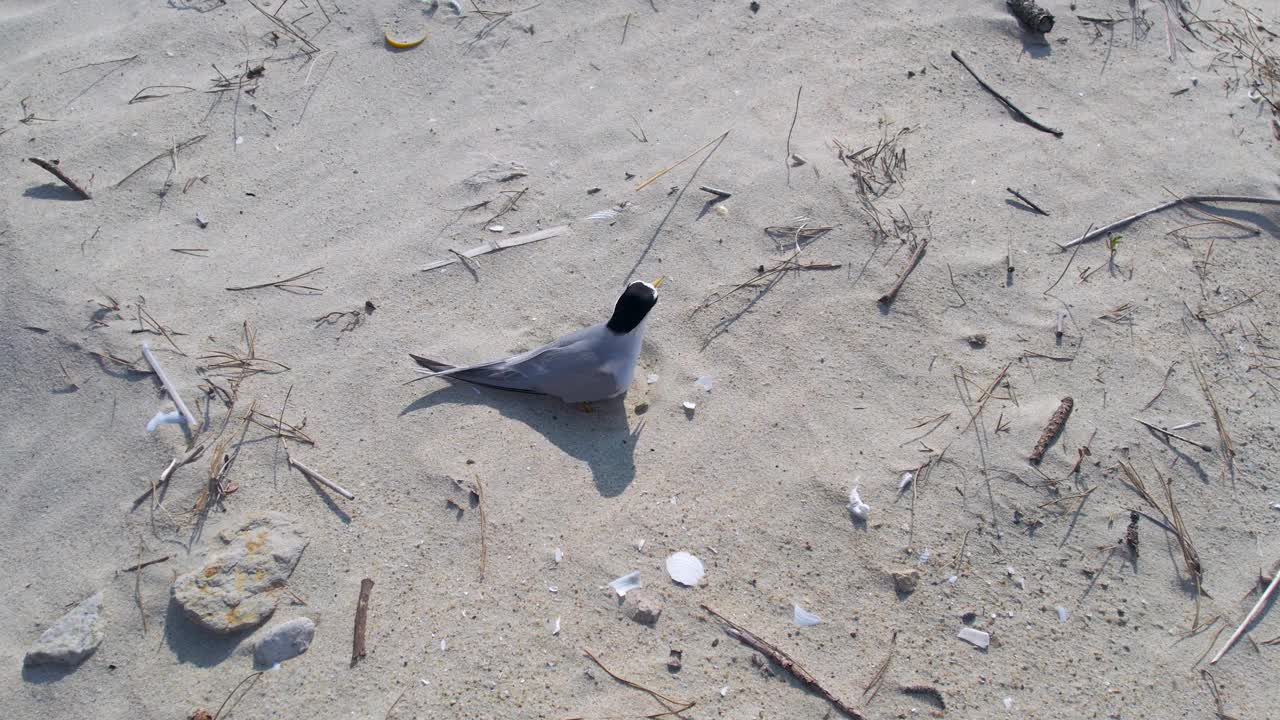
{"x": 626, "y": 583}
{"x": 1008, "y": 703}
{"x": 905, "y": 482}
{"x": 803, "y": 617}
{"x": 704, "y": 382}
{"x": 554, "y": 626}
{"x": 953, "y": 579}
{"x": 685, "y": 568}
{"x": 724, "y": 691}
{"x": 164, "y": 418}
{"x": 1062, "y": 614}
{"x": 1010, "y": 571}
{"x": 640, "y": 544}
{"x": 689, "y": 405}
{"x": 924, "y": 556}
{"x": 651, "y": 378}
{"x": 496, "y": 228}
{"x": 857, "y": 508}
{"x": 558, "y": 555}
{"x": 977, "y": 638}
{"x": 444, "y": 644}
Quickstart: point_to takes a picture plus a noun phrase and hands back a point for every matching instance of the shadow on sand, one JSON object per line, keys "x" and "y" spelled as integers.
{"x": 600, "y": 438}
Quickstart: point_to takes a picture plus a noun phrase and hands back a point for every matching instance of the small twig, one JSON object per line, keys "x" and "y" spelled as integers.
{"x": 137, "y": 588}
{"x": 1186, "y": 199}
{"x": 954, "y": 289}
{"x": 1224, "y": 438}
{"x": 167, "y": 153}
{"x": 170, "y": 388}
{"x": 1175, "y": 436}
{"x": 873, "y": 686}
{"x": 889, "y": 296}
{"x": 1051, "y": 430}
{"x": 254, "y": 677}
{"x": 1064, "y": 272}
{"x": 680, "y": 162}
{"x": 786, "y": 663}
{"x": 282, "y": 284}
{"x": 1258, "y": 607}
{"x": 140, "y": 565}
{"x": 53, "y": 168}
{"x": 1084, "y": 494}
{"x": 786, "y": 160}
{"x": 1017, "y": 113}
{"x": 722, "y": 194}
{"x": 318, "y": 477}
{"x": 673, "y": 706}
{"x": 1163, "y": 386}
{"x": 626, "y": 24}
{"x": 484, "y": 525}
{"x": 362, "y": 617}
{"x": 1030, "y": 204}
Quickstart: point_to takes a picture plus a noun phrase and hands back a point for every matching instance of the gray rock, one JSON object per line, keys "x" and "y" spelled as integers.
{"x": 643, "y": 607}
{"x": 905, "y": 581}
{"x": 283, "y": 642}
{"x": 72, "y": 639}
{"x": 233, "y": 590}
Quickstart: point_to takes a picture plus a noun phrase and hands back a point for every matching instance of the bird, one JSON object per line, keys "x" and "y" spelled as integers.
{"x": 594, "y": 363}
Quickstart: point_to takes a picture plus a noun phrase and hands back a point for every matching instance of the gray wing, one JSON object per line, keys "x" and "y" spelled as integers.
{"x": 571, "y": 367}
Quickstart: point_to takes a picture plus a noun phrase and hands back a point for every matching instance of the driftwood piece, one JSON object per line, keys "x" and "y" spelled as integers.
{"x": 52, "y": 168}
{"x": 1052, "y": 429}
{"x": 362, "y": 617}
{"x": 1032, "y": 16}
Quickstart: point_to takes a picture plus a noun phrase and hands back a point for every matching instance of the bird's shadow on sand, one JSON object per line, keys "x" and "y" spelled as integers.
{"x": 600, "y": 438}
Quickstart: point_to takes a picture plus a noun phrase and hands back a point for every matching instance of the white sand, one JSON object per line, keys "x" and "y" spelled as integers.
{"x": 360, "y": 168}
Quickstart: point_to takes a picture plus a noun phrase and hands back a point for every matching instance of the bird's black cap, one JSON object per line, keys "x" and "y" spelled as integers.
{"x": 636, "y": 302}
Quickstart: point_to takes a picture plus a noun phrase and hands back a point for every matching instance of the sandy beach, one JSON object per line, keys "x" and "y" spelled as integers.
{"x": 268, "y": 184}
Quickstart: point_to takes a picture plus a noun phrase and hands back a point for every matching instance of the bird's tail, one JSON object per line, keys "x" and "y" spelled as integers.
{"x": 432, "y": 366}
{"x": 435, "y": 368}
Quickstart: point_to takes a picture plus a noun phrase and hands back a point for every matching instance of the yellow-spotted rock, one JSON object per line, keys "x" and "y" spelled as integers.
{"x": 236, "y": 588}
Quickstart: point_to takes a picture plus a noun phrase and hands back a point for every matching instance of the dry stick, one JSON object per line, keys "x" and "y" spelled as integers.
{"x": 1084, "y": 494}
{"x": 137, "y": 589}
{"x": 787, "y": 159}
{"x": 873, "y": 687}
{"x": 1253, "y": 615}
{"x": 1030, "y": 204}
{"x": 318, "y": 477}
{"x": 786, "y": 663}
{"x": 722, "y": 194}
{"x": 1051, "y": 430}
{"x": 170, "y": 388}
{"x": 1224, "y": 437}
{"x": 1163, "y": 386}
{"x": 1175, "y": 436}
{"x": 253, "y": 676}
{"x": 1006, "y": 101}
{"x": 954, "y": 289}
{"x": 394, "y": 704}
{"x": 140, "y": 565}
{"x": 484, "y": 524}
{"x": 362, "y": 617}
{"x": 888, "y": 297}
{"x": 57, "y": 172}
{"x": 669, "y": 168}
{"x": 281, "y": 283}
{"x": 167, "y": 153}
{"x": 1186, "y": 199}
{"x": 680, "y": 705}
